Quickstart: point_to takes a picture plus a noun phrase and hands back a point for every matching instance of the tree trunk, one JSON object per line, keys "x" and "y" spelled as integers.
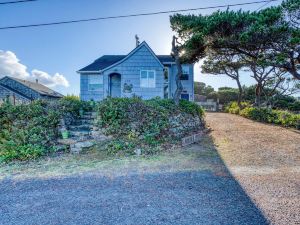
{"x": 258, "y": 92}
{"x": 175, "y": 54}
{"x": 240, "y": 92}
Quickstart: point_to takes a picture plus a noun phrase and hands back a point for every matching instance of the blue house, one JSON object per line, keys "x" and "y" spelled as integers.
{"x": 140, "y": 73}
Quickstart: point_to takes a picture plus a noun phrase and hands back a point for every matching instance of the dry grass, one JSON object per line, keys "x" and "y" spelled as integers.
{"x": 195, "y": 157}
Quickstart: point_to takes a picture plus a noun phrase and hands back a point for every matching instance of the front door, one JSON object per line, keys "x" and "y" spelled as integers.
{"x": 115, "y": 85}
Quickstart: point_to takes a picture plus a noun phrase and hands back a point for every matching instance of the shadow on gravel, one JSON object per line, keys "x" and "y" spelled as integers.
{"x": 203, "y": 196}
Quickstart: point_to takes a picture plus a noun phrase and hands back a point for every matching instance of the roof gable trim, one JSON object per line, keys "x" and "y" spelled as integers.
{"x": 131, "y": 53}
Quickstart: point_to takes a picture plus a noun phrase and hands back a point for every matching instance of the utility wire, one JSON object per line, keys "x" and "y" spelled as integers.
{"x": 263, "y": 6}
{"x": 15, "y": 2}
{"x": 132, "y": 15}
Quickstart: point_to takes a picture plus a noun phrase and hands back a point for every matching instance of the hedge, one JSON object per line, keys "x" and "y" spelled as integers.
{"x": 30, "y": 131}
{"x": 267, "y": 115}
{"x": 137, "y": 123}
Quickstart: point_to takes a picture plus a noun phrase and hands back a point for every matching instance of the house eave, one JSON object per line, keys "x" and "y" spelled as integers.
{"x": 169, "y": 63}
{"x": 89, "y": 72}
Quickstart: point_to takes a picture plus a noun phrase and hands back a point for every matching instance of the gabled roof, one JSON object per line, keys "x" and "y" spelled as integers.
{"x": 103, "y": 62}
{"x": 41, "y": 89}
{"x": 15, "y": 91}
{"x": 107, "y": 61}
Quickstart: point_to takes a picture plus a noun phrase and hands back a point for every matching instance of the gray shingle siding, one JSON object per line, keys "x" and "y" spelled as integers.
{"x": 85, "y": 93}
{"x": 25, "y": 90}
{"x": 17, "y": 87}
{"x": 7, "y": 93}
{"x": 129, "y": 68}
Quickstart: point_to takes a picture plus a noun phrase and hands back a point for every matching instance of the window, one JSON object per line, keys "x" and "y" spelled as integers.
{"x": 147, "y": 79}
{"x": 185, "y": 73}
{"x": 185, "y": 96}
{"x": 166, "y": 82}
{"x": 95, "y": 82}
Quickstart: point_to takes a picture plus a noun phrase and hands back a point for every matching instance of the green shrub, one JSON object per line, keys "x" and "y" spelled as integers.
{"x": 234, "y": 108}
{"x": 123, "y": 115}
{"x": 191, "y": 108}
{"x": 295, "y": 106}
{"x": 120, "y": 147}
{"x": 11, "y": 151}
{"x": 72, "y": 105}
{"x": 267, "y": 115}
{"x": 141, "y": 123}
{"x": 29, "y": 131}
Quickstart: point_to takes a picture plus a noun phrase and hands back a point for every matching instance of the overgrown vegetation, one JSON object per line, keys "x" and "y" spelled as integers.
{"x": 267, "y": 115}
{"x": 146, "y": 125}
{"x": 26, "y": 131}
{"x": 226, "y": 95}
{"x": 29, "y": 131}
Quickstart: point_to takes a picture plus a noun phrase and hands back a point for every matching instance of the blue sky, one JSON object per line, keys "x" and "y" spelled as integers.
{"x": 66, "y": 48}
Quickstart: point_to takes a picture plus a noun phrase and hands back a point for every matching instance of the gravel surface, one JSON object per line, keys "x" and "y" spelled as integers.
{"x": 189, "y": 187}
{"x": 250, "y": 174}
{"x": 265, "y": 160}
{"x": 176, "y": 198}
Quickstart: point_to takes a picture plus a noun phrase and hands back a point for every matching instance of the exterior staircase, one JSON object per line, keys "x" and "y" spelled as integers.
{"x": 83, "y": 134}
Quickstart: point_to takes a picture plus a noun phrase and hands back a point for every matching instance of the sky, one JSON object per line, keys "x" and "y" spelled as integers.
{"x": 53, "y": 54}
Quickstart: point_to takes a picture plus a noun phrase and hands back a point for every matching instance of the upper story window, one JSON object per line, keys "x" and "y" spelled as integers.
{"x": 95, "y": 82}
{"x": 185, "y": 72}
{"x": 147, "y": 79}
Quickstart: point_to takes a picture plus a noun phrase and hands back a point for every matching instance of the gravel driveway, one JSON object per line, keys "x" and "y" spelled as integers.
{"x": 265, "y": 160}
{"x": 191, "y": 186}
{"x": 243, "y": 173}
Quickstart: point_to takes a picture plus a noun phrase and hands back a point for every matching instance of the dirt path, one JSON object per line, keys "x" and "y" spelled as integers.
{"x": 265, "y": 160}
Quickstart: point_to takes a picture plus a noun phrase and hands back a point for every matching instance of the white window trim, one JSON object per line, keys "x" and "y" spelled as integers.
{"x": 148, "y": 78}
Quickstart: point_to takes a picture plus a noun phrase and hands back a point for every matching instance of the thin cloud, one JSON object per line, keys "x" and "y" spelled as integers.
{"x": 10, "y": 66}
{"x": 48, "y": 80}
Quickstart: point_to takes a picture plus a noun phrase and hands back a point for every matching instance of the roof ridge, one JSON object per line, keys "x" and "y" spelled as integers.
{"x": 38, "y": 87}
{"x": 106, "y": 61}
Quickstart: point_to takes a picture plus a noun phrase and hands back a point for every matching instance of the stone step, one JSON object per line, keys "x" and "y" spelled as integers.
{"x": 83, "y": 122}
{"x": 88, "y": 117}
{"x": 90, "y": 113}
{"x": 99, "y": 136}
{"x": 80, "y": 127}
{"x": 83, "y": 144}
{"x": 80, "y": 133}
{"x": 83, "y": 138}
{"x": 79, "y": 146}
{"x": 69, "y": 141}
